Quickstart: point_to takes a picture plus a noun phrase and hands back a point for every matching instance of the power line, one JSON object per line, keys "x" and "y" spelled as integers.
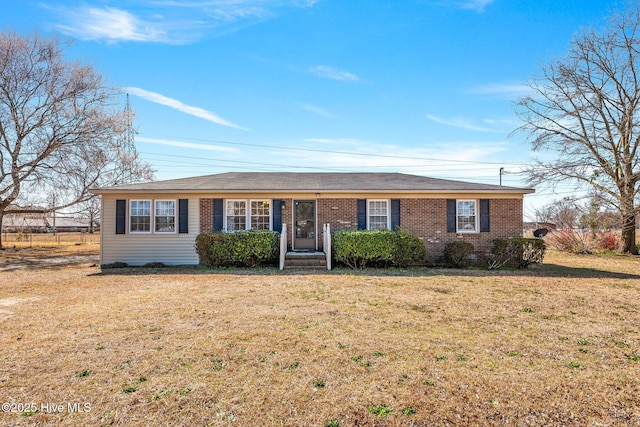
{"x": 262, "y": 165}
{"x": 351, "y": 153}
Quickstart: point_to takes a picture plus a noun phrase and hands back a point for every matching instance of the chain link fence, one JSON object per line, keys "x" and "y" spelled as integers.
{"x": 30, "y": 240}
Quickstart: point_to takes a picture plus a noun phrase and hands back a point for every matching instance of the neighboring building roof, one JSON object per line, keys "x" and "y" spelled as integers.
{"x": 37, "y": 219}
{"x": 15, "y": 209}
{"x": 238, "y": 182}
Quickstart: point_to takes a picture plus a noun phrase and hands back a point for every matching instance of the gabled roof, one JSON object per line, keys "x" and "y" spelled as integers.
{"x": 264, "y": 182}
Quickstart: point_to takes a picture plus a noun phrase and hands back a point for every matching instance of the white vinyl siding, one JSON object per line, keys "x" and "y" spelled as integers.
{"x": 466, "y": 216}
{"x": 377, "y": 214}
{"x": 141, "y": 248}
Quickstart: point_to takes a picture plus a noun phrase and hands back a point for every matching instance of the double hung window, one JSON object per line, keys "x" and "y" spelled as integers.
{"x": 466, "y": 216}
{"x": 378, "y": 214}
{"x": 160, "y": 213}
{"x": 248, "y": 215}
{"x": 165, "y": 216}
{"x": 140, "y": 220}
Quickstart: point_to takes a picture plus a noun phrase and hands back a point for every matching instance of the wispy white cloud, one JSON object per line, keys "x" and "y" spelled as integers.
{"x": 459, "y": 123}
{"x": 110, "y": 24}
{"x": 338, "y": 142}
{"x": 318, "y": 110}
{"x": 183, "y": 144}
{"x": 507, "y": 89}
{"x": 353, "y": 154}
{"x": 180, "y": 106}
{"x": 476, "y": 5}
{"x": 333, "y": 73}
{"x": 166, "y": 21}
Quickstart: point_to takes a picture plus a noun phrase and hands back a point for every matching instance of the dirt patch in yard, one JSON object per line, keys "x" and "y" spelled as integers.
{"x": 6, "y": 303}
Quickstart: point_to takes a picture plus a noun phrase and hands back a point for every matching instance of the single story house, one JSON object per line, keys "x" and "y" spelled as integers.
{"x": 159, "y": 221}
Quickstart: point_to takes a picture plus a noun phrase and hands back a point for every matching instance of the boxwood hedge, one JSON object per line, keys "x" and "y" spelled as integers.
{"x": 243, "y": 248}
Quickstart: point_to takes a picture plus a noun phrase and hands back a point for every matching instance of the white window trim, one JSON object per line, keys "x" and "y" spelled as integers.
{"x": 476, "y": 230}
{"x": 150, "y": 216}
{"x": 175, "y": 216}
{"x": 270, "y": 212}
{"x": 247, "y": 213}
{"x": 388, "y": 201}
{"x": 225, "y": 224}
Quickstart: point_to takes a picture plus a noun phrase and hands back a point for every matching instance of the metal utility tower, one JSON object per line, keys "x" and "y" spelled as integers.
{"x": 127, "y": 145}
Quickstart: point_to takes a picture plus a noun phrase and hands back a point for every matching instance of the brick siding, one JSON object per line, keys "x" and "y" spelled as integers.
{"x": 206, "y": 215}
{"x": 426, "y": 218}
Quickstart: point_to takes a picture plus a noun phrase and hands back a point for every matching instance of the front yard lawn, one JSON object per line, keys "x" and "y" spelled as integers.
{"x": 555, "y": 345}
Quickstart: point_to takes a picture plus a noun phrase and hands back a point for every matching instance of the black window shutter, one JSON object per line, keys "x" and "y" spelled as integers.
{"x": 395, "y": 213}
{"x": 218, "y": 217}
{"x": 484, "y": 215}
{"x": 183, "y": 215}
{"x": 451, "y": 215}
{"x": 121, "y": 216}
{"x": 277, "y": 215}
{"x": 362, "y": 214}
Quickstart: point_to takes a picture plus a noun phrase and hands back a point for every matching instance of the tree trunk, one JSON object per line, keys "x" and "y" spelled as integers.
{"x": 1, "y": 217}
{"x": 629, "y": 234}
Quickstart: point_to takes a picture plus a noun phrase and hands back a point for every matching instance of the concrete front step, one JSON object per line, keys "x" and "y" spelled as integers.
{"x": 311, "y": 260}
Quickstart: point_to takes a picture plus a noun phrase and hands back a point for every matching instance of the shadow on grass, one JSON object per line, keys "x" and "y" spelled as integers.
{"x": 47, "y": 263}
{"x": 544, "y": 270}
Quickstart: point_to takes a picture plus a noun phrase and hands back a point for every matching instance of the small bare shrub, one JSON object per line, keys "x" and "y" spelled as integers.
{"x": 116, "y": 264}
{"x": 456, "y": 254}
{"x": 155, "y": 264}
{"x": 607, "y": 241}
{"x": 569, "y": 241}
{"x": 517, "y": 252}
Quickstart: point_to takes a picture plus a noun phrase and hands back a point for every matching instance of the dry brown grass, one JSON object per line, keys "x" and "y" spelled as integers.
{"x": 557, "y": 345}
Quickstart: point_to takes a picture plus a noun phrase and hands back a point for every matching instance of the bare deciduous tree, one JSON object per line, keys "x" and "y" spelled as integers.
{"x": 58, "y": 126}
{"x": 585, "y": 108}
{"x": 597, "y": 215}
{"x": 563, "y": 213}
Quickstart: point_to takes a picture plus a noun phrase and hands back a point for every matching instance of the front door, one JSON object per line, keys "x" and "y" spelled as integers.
{"x": 305, "y": 225}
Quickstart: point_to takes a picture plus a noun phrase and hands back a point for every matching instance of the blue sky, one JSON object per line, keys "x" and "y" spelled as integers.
{"x": 417, "y": 86}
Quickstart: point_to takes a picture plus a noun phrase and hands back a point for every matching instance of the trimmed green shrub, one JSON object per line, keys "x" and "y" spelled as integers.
{"x": 456, "y": 254}
{"x": 518, "y": 252}
{"x": 359, "y": 248}
{"x": 243, "y": 248}
{"x": 410, "y": 249}
{"x": 203, "y": 245}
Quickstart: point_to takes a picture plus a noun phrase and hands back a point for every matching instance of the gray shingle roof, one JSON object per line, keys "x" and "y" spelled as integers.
{"x": 310, "y": 182}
